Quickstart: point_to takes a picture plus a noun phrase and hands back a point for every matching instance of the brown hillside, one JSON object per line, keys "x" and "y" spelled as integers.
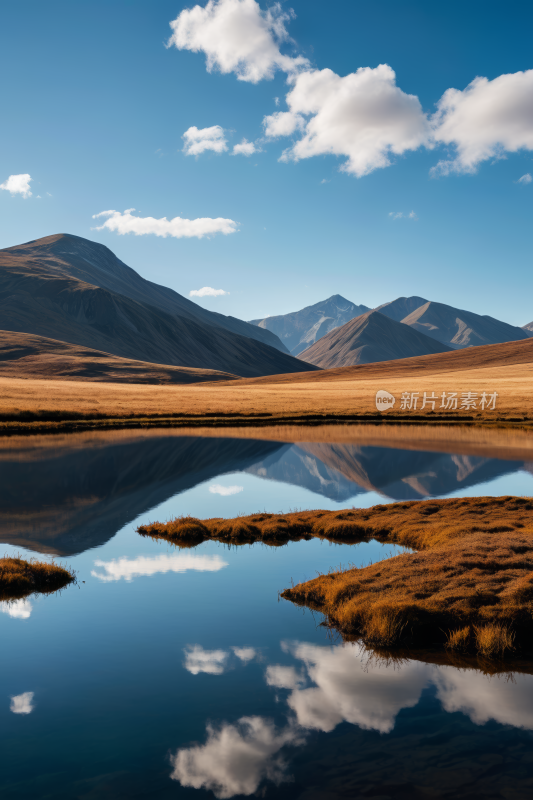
{"x": 369, "y": 338}
{"x": 25, "y": 356}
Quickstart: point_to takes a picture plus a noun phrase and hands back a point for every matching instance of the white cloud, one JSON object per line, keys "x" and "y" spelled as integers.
{"x": 207, "y": 291}
{"x": 18, "y": 609}
{"x": 485, "y": 120}
{"x": 283, "y": 123}
{"x": 245, "y": 148}
{"x": 363, "y": 116}
{"x": 178, "y": 227}
{"x": 402, "y": 215}
{"x": 198, "y": 140}
{"x": 18, "y": 184}
{"x": 525, "y": 178}
{"x": 225, "y": 491}
{"x": 245, "y": 653}
{"x": 236, "y": 758}
{"x": 199, "y": 660}
{"x": 22, "y": 703}
{"x": 127, "y": 569}
{"x": 237, "y": 36}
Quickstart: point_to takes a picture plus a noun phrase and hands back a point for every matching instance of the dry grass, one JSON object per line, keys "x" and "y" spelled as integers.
{"x": 471, "y": 577}
{"x": 419, "y": 525}
{"x": 338, "y": 395}
{"x": 20, "y": 578}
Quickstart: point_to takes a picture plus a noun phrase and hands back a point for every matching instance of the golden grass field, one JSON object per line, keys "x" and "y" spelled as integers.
{"x": 347, "y": 392}
{"x": 469, "y": 586}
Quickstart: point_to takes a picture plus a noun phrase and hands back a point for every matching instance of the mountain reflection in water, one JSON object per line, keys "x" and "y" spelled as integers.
{"x": 71, "y": 493}
{"x": 322, "y": 687}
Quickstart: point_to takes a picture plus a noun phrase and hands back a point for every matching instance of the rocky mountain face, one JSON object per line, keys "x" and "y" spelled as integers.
{"x": 368, "y": 338}
{"x": 301, "y": 329}
{"x": 76, "y": 291}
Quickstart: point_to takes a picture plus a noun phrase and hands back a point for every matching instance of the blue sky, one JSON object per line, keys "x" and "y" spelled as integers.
{"x": 95, "y": 107}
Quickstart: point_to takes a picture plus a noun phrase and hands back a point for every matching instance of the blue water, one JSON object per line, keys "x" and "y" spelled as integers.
{"x": 168, "y": 673}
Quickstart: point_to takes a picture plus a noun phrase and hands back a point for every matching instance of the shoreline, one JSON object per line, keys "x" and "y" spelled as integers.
{"x": 467, "y": 586}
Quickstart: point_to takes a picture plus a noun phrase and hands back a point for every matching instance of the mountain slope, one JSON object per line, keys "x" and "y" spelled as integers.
{"x": 401, "y": 307}
{"x": 301, "y": 329}
{"x": 38, "y": 295}
{"x": 23, "y": 355}
{"x": 458, "y": 328}
{"x": 528, "y": 328}
{"x": 70, "y": 256}
{"x": 368, "y": 338}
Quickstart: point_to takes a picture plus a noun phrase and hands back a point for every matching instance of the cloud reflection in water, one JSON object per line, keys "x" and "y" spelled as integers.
{"x": 331, "y": 685}
{"x": 127, "y": 569}
{"x": 18, "y": 609}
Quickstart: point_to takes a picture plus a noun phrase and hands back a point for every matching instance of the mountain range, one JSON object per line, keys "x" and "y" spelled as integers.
{"x": 301, "y": 329}
{"x": 371, "y": 341}
{"x": 72, "y": 290}
{"x": 71, "y": 309}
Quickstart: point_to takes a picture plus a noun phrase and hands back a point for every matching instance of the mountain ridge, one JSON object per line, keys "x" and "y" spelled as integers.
{"x": 368, "y": 338}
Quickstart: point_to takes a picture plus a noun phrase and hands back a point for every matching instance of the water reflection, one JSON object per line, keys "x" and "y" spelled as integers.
{"x": 342, "y": 471}
{"x": 129, "y": 568}
{"x": 65, "y": 495}
{"x": 18, "y": 609}
{"x": 323, "y": 687}
{"x": 22, "y": 703}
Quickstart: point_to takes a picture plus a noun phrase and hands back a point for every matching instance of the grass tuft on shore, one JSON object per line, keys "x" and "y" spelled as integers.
{"x": 20, "y": 578}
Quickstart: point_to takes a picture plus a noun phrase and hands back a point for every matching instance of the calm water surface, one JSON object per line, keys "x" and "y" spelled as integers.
{"x": 168, "y": 673}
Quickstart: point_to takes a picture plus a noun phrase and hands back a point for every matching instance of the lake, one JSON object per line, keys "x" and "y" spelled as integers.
{"x": 167, "y": 673}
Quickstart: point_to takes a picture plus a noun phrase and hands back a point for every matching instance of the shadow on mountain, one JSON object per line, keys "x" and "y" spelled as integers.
{"x": 65, "y": 497}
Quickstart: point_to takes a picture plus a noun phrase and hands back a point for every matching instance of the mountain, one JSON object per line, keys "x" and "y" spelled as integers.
{"x": 401, "y": 307}
{"x": 93, "y": 263}
{"x": 23, "y": 355}
{"x": 528, "y": 329}
{"x": 368, "y": 338}
{"x": 458, "y": 328}
{"x": 70, "y": 289}
{"x": 452, "y": 326}
{"x": 301, "y": 329}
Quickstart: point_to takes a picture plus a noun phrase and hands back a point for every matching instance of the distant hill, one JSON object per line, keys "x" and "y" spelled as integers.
{"x": 458, "y": 328}
{"x": 23, "y": 355}
{"x": 301, "y": 329}
{"x": 368, "y": 338}
{"x": 528, "y": 329}
{"x": 72, "y": 290}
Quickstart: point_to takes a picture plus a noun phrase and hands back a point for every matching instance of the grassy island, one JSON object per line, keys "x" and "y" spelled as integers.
{"x": 469, "y": 586}
{"x": 20, "y": 578}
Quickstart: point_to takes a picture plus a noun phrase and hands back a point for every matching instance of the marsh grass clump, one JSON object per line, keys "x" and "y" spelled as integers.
{"x": 20, "y": 578}
{"x": 183, "y": 531}
{"x": 459, "y": 639}
{"x": 494, "y": 641}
